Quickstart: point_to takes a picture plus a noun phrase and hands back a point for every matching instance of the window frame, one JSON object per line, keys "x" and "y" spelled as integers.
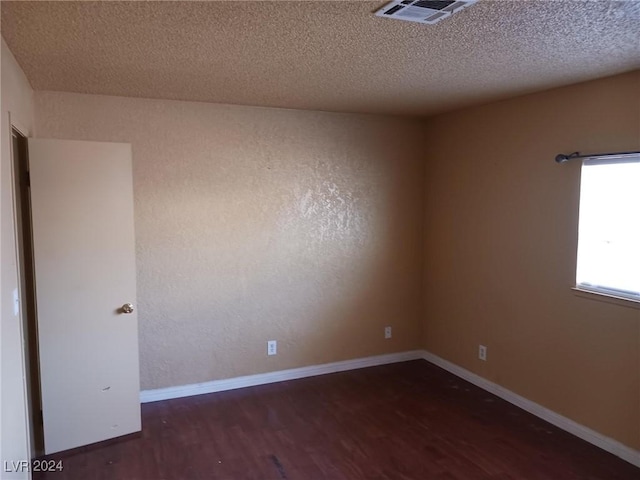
{"x": 595, "y": 292}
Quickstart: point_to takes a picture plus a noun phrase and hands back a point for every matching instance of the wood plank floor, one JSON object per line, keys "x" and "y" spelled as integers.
{"x": 408, "y": 420}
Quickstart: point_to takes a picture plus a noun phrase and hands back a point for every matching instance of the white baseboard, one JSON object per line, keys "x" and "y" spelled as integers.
{"x": 608, "y": 444}
{"x": 605, "y": 443}
{"x": 272, "y": 377}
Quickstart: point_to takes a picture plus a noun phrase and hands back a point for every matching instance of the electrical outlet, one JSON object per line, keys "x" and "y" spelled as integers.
{"x": 272, "y": 347}
{"x": 387, "y": 332}
{"x": 482, "y": 352}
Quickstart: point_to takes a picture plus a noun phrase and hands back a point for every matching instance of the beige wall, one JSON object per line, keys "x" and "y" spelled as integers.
{"x": 255, "y": 224}
{"x": 17, "y": 98}
{"x": 500, "y": 242}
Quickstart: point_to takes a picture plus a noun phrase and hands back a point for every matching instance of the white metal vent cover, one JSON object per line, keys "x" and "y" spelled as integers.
{"x": 423, "y": 11}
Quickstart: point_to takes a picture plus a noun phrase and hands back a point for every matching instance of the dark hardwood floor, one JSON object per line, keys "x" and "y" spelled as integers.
{"x": 409, "y": 420}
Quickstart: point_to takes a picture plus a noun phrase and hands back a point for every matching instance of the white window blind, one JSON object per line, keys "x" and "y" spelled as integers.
{"x": 609, "y": 228}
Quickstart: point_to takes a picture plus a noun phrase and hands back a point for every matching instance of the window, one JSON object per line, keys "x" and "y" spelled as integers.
{"x": 609, "y": 228}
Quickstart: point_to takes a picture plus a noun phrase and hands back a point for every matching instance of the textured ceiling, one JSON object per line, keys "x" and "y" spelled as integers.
{"x": 319, "y": 55}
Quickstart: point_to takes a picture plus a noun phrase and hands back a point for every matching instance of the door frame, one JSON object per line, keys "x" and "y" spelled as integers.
{"x": 29, "y": 363}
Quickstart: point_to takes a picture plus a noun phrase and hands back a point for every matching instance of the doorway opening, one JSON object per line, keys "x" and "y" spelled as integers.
{"x": 24, "y": 245}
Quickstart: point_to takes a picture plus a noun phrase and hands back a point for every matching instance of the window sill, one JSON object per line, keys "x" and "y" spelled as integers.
{"x": 605, "y": 297}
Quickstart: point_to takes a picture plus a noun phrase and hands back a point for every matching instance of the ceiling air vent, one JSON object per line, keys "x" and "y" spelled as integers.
{"x": 423, "y": 11}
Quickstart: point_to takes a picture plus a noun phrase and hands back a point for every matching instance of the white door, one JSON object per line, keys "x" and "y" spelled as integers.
{"x": 83, "y": 238}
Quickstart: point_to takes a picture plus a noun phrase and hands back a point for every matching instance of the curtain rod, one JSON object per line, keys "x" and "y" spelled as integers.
{"x": 561, "y": 157}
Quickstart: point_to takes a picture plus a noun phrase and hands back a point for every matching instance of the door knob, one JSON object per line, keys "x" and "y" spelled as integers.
{"x": 127, "y": 308}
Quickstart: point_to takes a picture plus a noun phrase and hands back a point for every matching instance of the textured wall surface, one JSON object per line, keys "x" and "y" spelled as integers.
{"x": 17, "y": 100}
{"x": 319, "y": 55}
{"x": 501, "y": 238}
{"x": 255, "y": 224}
